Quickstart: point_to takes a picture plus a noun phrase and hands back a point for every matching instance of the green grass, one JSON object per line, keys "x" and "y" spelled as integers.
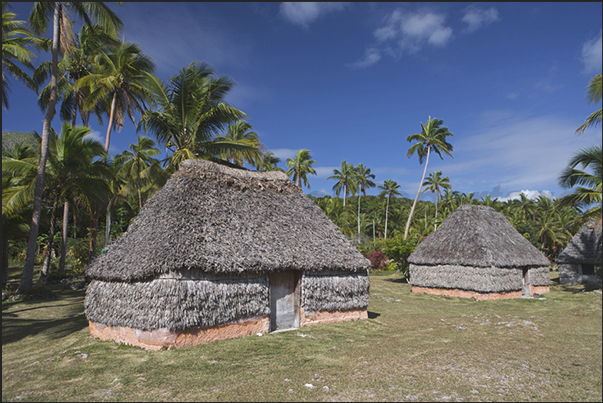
{"x": 413, "y": 348}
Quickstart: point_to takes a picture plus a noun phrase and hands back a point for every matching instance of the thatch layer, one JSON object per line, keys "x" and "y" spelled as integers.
{"x": 585, "y": 246}
{"x": 539, "y": 276}
{"x": 176, "y": 304}
{"x": 334, "y": 291}
{"x": 224, "y": 220}
{"x": 477, "y": 236}
{"x": 480, "y": 279}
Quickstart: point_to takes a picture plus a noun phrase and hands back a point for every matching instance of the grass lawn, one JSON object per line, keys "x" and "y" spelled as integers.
{"x": 413, "y": 347}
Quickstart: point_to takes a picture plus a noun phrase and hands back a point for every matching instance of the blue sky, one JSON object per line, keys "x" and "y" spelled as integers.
{"x": 350, "y": 81}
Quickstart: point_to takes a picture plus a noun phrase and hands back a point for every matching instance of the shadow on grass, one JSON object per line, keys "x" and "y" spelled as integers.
{"x": 15, "y": 329}
{"x": 373, "y": 315}
{"x": 580, "y": 288}
{"x": 397, "y": 280}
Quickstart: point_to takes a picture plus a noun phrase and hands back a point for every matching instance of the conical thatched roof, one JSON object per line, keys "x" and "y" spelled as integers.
{"x": 225, "y": 220}
{"x": 477, "y": 236}
{"x": 585, "y": 246}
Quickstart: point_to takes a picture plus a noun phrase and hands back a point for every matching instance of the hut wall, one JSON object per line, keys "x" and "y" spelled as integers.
{"x": 334, "y": 291}
{"x": 177, "y": 301}
{"x": 571, "y": 273}
{"x": 480, "y": 279}
{"x": 540, "y": 277}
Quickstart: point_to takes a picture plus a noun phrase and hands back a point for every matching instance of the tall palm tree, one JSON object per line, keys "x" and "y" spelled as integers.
{"x": 587, "y": 184}
{"x": 62, "y": 37}
{"x": 270, "y": 162}
{"x": 15, "y": 38}
{"x": 435, "y": 182}
{"x": 240, "y": 132}
{"x": 189, "y": 112}
{"x": 363, "y": 178}
{"x": 300, "y": 167}
{"x": 346, "y": 180}
{"x": 594, "y": 97}
{"x": 119, "y": 78}
{"x": 390, "y": 188}
{"x": 432, "y": 138}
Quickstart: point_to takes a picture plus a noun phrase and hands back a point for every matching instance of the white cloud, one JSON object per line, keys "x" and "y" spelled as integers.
{"x": 96, "y": 135}
{"x": 304, "y": 13}
{"x": 284, "y": 153}
{"x": 476, "y": 18}
{"x": 324, "y": 172}
{"x": 404, "y": 31}
{"x": 591, "y": 55}
{"x": 530, "y": 194}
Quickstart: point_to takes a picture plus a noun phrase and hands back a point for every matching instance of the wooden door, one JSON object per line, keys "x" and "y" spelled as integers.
{"x": 525, "y": 290}
{"x": 284, "y": 301}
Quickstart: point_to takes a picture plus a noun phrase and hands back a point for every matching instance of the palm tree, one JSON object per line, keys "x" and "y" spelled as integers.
{"x": 587, "y": 185}
{"x": 390, "y": 188}
{"x": 300, "y": 167}
{"x": 432, "y": 137}
{"x": 346, "y": 180}
{"x": 61, "y": 39}
{"x": 270, "y": 162}
{"x": 15, "y": 38}
{"x": 594, "y": 97}
{"x": 240, "y": 133}
{"x": 190, "y": 112}
{"x": 363, "y": 178}
{"x": 119, "y": 76}
{"x": 435, "y": 182}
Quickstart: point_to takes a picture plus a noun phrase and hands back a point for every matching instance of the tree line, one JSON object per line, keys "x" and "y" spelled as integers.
{"x": 94, "y": 74}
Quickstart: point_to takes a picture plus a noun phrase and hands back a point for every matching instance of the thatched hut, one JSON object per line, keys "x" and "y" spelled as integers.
{"x": 580, "y": 261}
{"x": 477, "y": 253}
{"x": 220, "y": 252}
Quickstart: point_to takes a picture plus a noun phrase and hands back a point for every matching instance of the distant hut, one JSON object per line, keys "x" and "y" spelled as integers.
{"x": 220, "y": 252}
{"x": 580, "y": 261}
{"x": 477, "y": 253}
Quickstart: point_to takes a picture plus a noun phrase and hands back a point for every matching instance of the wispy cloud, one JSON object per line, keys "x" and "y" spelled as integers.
{"x": 371, "y": 56}
{"x": 476, "y": 17}
{"x": 284, "y": 153}
{"x": 304, "y": 13}
{"x": 591, "y": 55}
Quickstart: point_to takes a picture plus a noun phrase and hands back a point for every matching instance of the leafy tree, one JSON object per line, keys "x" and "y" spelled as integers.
{"x": 435, "y": 183}
{"x": 594, "y": 97}
{"x": 240, "y": 132}
{"x": 432, "y": 138}
{"x": 300, "y": 167}
{"x": 390, "y": 188}
{"x": 346, "y": 180}
{"x": 15, "y": 39}
{"x": 189, "y": 112}
{"x": 270, "y": 162}
{"x": 61, "y": 39}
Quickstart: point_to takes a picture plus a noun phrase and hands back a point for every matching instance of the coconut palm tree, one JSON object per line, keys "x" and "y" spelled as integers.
{"x": 587, "y": 184}
{"x": 190, "y": 112}
{"x": 119, "y": 79}
{"x": 62, "y": 38}
{"x": 390, "y": 188}
{"x": 300, "y": 167}
{"x": 270, "y": 162}
{"x": 346, "y": 180}
{"x": 594, "y": 97}
{"x": 15, "y": 38}
{"x": 435, "y": 183}
{"x": 432, "y": 138}
{"x": 240, "y": 132}
{"x": 363, "y": 178}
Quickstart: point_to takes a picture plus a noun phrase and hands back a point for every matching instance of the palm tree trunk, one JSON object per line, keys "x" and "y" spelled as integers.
{"x": 435, "y": 225}
{"x": 4, "y": 261}
{"x": 386, "y": 212}
{"x": 412, "y": 210}
{"x": 108, "y": 226}
{"x": 48, "y": 254}
{"x": 92, "y": 246}
{"x": 359, "y": 215}
{"x": 111, "y": 116}
{"x": 345, "y": 192}
{"x": 61, "y": 272}
{"x": 28, "y": 267}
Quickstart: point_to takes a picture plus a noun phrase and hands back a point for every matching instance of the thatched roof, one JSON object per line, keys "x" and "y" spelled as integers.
{"x": 226, "y": 220}
{"x": 585, "y": 246}
{"x": 477, "y": 236}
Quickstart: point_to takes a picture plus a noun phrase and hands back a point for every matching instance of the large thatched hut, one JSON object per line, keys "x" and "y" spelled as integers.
{"x": 581, "y": 261}
{"x": 220, "y": 252}
{"x": 477, "y": 253}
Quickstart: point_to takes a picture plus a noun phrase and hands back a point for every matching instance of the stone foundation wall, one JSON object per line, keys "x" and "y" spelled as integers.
{"x": 330, "y": 317}
{"x": 157, "y": 339}
{"x": 447, "y": 292}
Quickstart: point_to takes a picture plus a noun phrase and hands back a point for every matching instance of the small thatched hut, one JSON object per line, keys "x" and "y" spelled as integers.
{"x": 477, "y": 253}
{"x": 220, "y": 252}
{"x": 581, "y": 260}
